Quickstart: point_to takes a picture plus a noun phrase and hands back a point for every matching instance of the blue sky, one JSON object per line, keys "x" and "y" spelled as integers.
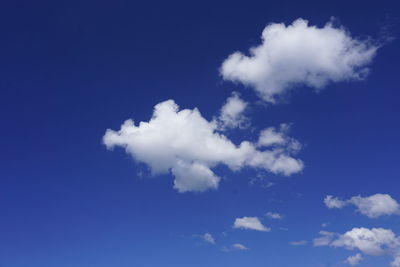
{"x": 187, "y": 191}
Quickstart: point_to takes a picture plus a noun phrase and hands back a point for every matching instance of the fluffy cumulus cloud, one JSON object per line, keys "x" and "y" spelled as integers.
{"x": 354, "y": 259}
{"x": 232, "y": 113}
{"x": 373, "y": 206}
{"x": 184, "y": 143}
{"x": 376, "y": 205}
{"x": 251, "y": 223}
{"x": 373, "y": 242}
{"x": 299, "y": 54}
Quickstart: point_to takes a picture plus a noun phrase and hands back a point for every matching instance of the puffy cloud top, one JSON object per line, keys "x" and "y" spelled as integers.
{"x": 231, "y": 115}
{"x": 370, "y": 241}
{"x": 376, "y": 205}
{"x": 185, "y": 143}
{"x": 299, "y": 54}
{"x": 374, "y": 242}
{"x": 373, "y": 206}
{"x": 355, "y": 259}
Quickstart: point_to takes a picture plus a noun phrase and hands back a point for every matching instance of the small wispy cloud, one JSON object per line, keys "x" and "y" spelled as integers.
{"x": 274, "y": 215}
{"x": 324, "y": 239}
{"x": 298, "y": 243}
{"x": 239, "y": 246}
{"x": 207, "y": 237}
{"x": 233, "y": 247}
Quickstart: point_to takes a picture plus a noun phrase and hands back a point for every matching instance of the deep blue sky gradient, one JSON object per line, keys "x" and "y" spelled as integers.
{"x": 71, "y": 69}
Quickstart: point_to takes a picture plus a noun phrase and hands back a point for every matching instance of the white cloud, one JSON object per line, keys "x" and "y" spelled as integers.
{"x": 239, "y": 246}
{"x": 299, "y": 54}
{"x": 373, "y": 242}
{"x": 274, "y": 215}
{"x": 354, "y": 260}
{"x": 207, "y": 237}
{"x": 193, "y": 177}
{"x": 334, "y": 202}
{"x": 373, "y": 206}
{"x": 271, "y": 137}
{"x": 252, "y": 223}
{"x": 396, "y": 262}
{"x": 324, "y": 239}
{"x": 231, "y": 114}
{"x": 376, "y": 205}
{"x": 189, "y": 146}
{"x": 369, "y": 241}
{"x": 233, "y": 247}
{"x": 298, "y": 243}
